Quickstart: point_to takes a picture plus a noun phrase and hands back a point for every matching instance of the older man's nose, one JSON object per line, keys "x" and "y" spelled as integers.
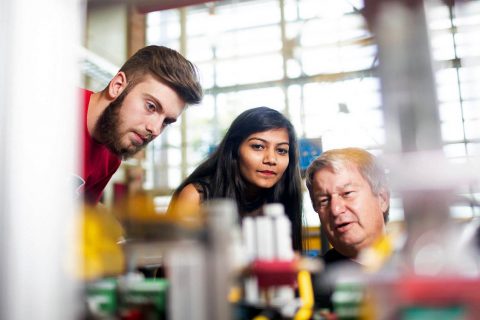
{"x": 337, "y": 205}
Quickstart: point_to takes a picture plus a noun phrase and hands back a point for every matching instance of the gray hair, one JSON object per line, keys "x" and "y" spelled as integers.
{"x": 366, "y": 163}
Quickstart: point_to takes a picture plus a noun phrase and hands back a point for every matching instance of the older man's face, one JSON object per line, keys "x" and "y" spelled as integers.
{"x": 350, "y": 214}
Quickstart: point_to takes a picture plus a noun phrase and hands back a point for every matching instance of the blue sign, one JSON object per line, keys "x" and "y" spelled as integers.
{"x": 310, "y": 149}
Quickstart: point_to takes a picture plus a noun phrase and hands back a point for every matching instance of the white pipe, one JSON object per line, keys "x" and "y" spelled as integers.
{"x": 39, "y": 121}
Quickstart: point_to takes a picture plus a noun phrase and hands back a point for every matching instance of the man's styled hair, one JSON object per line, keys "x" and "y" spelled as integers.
{"x": 366, "y": 163}
{"x": 169, "y": 67}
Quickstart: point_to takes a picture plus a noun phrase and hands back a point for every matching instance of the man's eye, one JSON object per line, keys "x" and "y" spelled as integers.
{"x": 347, "y": 194}
{"x": 151, "y": 107}
{"x": 323, "y": 202}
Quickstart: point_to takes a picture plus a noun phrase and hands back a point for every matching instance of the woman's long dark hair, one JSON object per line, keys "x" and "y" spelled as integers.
{"x": 220, "y": 172}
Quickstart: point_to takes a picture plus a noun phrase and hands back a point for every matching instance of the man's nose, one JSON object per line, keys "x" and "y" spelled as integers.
{"x": 337, "y": 205}
{"x": 155, "y": 126}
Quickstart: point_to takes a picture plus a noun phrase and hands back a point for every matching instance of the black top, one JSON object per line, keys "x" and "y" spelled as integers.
{"x": 251, "y": 208}
{"x": 333, "y": 256}
{"x": 322, "y": 283}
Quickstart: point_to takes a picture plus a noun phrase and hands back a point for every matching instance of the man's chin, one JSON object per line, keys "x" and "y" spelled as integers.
{"x": 127, "y": 153}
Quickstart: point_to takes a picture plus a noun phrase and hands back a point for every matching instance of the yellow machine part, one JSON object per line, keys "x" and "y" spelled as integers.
{"x": 100, "y": 253}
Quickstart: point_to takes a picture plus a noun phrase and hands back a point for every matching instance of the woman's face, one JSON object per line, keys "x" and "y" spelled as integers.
{"x": 263, "y": 157}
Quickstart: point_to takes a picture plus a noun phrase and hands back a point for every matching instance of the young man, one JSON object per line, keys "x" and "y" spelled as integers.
{"x": 148, "y": 93}
{"x": 349, "y": 191}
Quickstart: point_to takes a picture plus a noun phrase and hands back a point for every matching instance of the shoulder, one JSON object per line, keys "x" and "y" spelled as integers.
{"x": 189, "y": 193}
{"x": 84, "y": 96}
{"x": 186, "y": 201}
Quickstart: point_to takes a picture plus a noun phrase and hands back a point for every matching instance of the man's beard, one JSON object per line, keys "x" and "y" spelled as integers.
{"x": 106, "y": 129}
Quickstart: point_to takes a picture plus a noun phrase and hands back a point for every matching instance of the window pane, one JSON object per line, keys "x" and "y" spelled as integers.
{"x": 450, "y": 112}
{"x": 329, "y": 52}
{"x": 447, "y": 85}
{"x": 472, "y": 129}
{"x": 207, "y": 74}
{"x": 249, "y": 14}
{"x": 474, "y": 149}
{"x": 162, "y": 26}
{"x": 200, "y": 131}
{"x": 232, "y": 104}
{"x": 200, "y": 49}
{"x": 452, "y": 131}
{"x": 248, "y": 42}
{"x": 263, "y": 68}
{"x": 454, "y": 150}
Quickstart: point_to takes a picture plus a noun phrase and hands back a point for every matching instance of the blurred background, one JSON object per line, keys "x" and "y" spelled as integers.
{"x": 316, "y": 61}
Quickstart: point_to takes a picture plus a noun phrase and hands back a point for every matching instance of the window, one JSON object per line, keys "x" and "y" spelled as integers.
{"x": 325, "y": 51}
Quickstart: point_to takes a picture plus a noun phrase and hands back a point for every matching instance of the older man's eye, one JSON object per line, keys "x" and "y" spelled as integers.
{"x": 323, "y": 202}
{"x": 348, "y": 194}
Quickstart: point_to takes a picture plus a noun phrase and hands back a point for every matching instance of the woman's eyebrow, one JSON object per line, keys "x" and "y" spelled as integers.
{"x": 266, "y": 141}
{"x": 255, "y": 138}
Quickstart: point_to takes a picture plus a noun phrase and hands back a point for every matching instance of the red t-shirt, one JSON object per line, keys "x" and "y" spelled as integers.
{"x": 99, "y": 163}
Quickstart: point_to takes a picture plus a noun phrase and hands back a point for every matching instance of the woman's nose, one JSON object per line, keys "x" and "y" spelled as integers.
{"x": 270, "y": 157}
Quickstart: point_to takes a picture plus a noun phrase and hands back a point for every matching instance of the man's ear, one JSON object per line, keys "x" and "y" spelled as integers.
{"x": 384, "y": 198}
{"x": 117, "y": 85}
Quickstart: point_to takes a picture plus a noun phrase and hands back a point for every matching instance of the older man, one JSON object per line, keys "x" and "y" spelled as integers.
{"x": 349, "y": 191}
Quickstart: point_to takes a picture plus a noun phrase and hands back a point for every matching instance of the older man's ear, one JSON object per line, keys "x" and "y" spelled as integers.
{"x": 384, "y": 198}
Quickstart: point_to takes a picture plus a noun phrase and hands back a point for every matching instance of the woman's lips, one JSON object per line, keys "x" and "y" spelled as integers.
{"x": 267, "y": 173}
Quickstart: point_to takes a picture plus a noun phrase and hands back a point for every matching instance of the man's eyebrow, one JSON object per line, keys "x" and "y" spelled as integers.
{"x": 322, "y": 192}
{"x": 150, "y": 96}
{"x": 168, "y": 120}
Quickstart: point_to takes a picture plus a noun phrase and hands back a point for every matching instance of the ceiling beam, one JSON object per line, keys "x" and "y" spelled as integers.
{"x": 145, "y": 6}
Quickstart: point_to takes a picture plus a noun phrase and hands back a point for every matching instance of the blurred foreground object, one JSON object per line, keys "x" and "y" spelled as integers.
{"x": 142, "y": 221}
{"x": 151, "y": 233}
{"x": 127, "y": 297}
{"x": 427, "y": 274}
{"x": 272, "y": 271}
{"x": 99, "y": 247}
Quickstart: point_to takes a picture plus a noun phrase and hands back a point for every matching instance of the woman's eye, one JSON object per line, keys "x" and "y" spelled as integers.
{"x": 257, "y": 146}
{"x": 282, "y": 151}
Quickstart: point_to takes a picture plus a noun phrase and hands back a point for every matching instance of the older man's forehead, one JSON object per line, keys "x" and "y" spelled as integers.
{"x": 349, "y": 176}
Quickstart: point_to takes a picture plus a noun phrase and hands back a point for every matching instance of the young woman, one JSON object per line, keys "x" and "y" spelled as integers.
{"x": 256, "y": 163}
